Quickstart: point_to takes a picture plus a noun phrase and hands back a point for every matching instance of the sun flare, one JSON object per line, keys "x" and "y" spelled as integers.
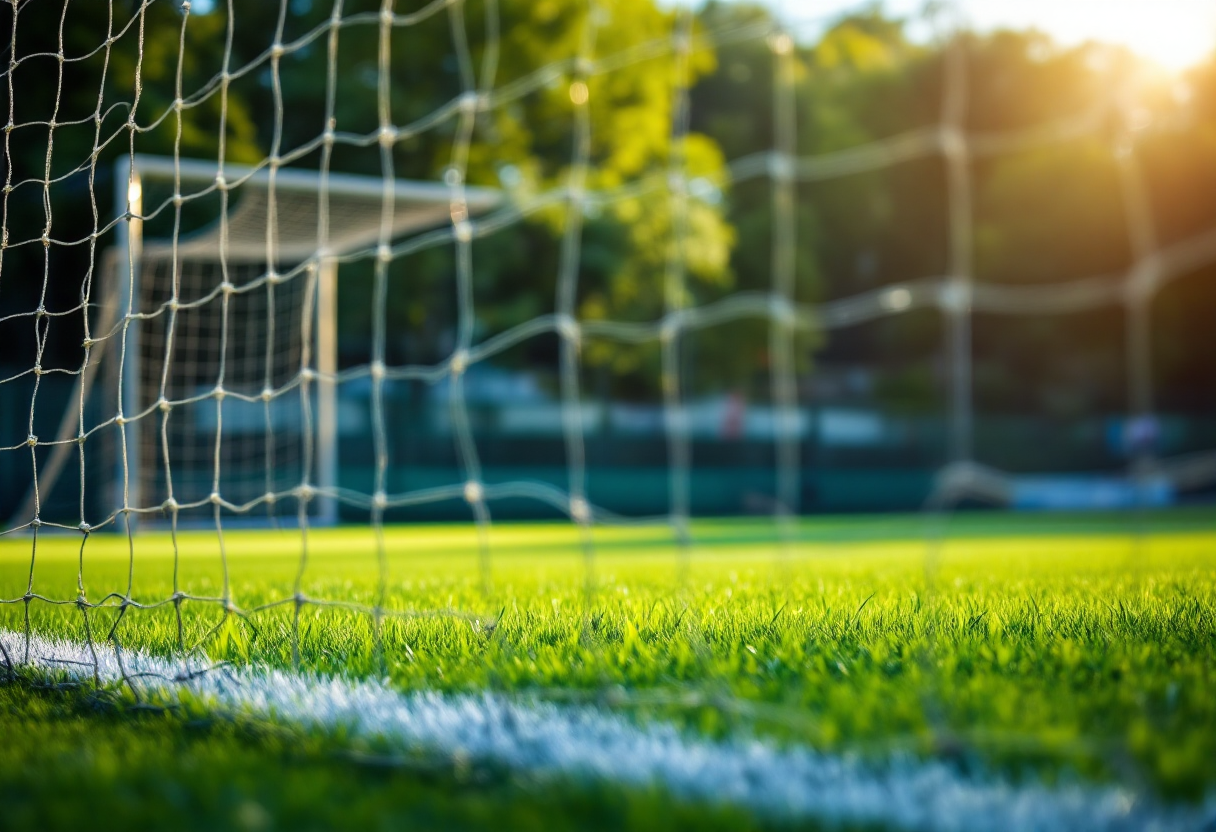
{"x": 1173, "y": 33}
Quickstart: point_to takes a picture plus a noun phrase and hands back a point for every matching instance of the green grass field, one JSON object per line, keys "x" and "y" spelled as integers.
{"x": 1044, "y": 648}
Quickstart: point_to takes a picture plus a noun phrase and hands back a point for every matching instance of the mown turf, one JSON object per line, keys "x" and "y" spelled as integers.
{"x": 1084, "y": 650}
{"x": 72, "y": 761}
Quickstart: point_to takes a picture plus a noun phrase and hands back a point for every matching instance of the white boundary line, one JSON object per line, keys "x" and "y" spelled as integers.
{"x": 583, "y": 742}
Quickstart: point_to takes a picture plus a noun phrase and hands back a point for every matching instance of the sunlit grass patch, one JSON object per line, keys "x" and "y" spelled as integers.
{"x": 1087, "y": 652}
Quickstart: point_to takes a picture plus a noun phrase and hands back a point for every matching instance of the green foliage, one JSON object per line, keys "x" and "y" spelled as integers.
{"x": 1050, "y": 214}
{"x": 526, "y": 146}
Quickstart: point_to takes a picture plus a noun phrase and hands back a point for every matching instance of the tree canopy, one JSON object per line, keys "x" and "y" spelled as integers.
{"x": 1046, "y": 213}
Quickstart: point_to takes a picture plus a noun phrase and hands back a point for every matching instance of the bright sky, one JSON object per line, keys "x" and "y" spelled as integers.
{"x": 1174, "y": 33}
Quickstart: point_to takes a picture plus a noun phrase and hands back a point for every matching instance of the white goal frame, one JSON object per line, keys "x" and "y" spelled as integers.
{"x": 418, "y": 206}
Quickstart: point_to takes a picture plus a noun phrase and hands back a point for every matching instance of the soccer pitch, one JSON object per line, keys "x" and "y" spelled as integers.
{"x": 1082, "y": 653}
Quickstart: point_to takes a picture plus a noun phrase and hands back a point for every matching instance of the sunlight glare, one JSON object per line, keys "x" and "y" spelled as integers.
{"x": 1173, "y": 33}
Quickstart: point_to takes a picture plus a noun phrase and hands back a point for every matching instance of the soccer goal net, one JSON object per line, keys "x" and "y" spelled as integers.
{"x": 535, "y": 231}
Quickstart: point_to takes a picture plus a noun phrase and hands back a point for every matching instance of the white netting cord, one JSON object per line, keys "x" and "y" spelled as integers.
{"x": 784, "y": 255}
{"x": 679, "y": 451}
{"x": 387, "y": 139}
{"x": 272, "y": 265}
{"x": 566, "y": 297}
{"x": 228, "y": 337}
{"x": 473, "y": 96}
{"x": 956, "y": 304}
{"x": 891, "y": 301}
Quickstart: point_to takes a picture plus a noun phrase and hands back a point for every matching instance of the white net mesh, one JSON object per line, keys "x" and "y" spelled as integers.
{"x": 217, "y": 400}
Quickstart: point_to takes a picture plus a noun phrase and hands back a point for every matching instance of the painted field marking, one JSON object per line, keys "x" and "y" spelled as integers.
{"x": 584, "y": 742}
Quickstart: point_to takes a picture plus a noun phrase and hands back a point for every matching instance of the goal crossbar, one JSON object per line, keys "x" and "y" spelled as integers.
{"x": 354, "y": 206}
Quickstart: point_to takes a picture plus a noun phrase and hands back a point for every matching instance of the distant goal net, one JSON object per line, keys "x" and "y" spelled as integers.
{"x": 230, "y": 365}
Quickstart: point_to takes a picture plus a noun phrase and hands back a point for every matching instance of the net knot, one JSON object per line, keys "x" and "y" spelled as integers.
{"x": 780, "y": 167}
{"x": 162, "y": 404}
{"x": 896, "y": 299}
{"x": 472, "y": 101}
{"x": 953, "y": 142}
{"x": 705, "y": 190}
{"x": 580, "y": 511}
{"x": 955, "y": 295}
{"x": 1142, "y": 282}
{"x": 670, "y": 328}
{"x": 473, "y": 492}
{"x": 780, "y": 43}
{"x": 380, "y": 500}
{"x": 569, "y": 329}
{"x": 584, "y": 66}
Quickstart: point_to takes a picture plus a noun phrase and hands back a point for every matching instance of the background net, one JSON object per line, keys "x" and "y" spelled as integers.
{"x": 197, "y": 385}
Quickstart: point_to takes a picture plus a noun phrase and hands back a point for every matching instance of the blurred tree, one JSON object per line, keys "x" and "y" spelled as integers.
{"x": 1048, "y": 214}
{"x": 61, "y": 112}
{"x": 526, "y": 146}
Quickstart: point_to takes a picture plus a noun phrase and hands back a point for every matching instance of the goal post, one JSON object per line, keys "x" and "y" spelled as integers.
{"x": 268, "y": 257}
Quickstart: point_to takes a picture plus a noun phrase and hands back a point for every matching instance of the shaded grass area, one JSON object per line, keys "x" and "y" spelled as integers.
{"x": 74, "y": 761}
{"x": 1073, "y": 646}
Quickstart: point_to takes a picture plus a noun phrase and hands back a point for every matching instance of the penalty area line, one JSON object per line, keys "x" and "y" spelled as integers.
{"x": 582, "y": 742}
